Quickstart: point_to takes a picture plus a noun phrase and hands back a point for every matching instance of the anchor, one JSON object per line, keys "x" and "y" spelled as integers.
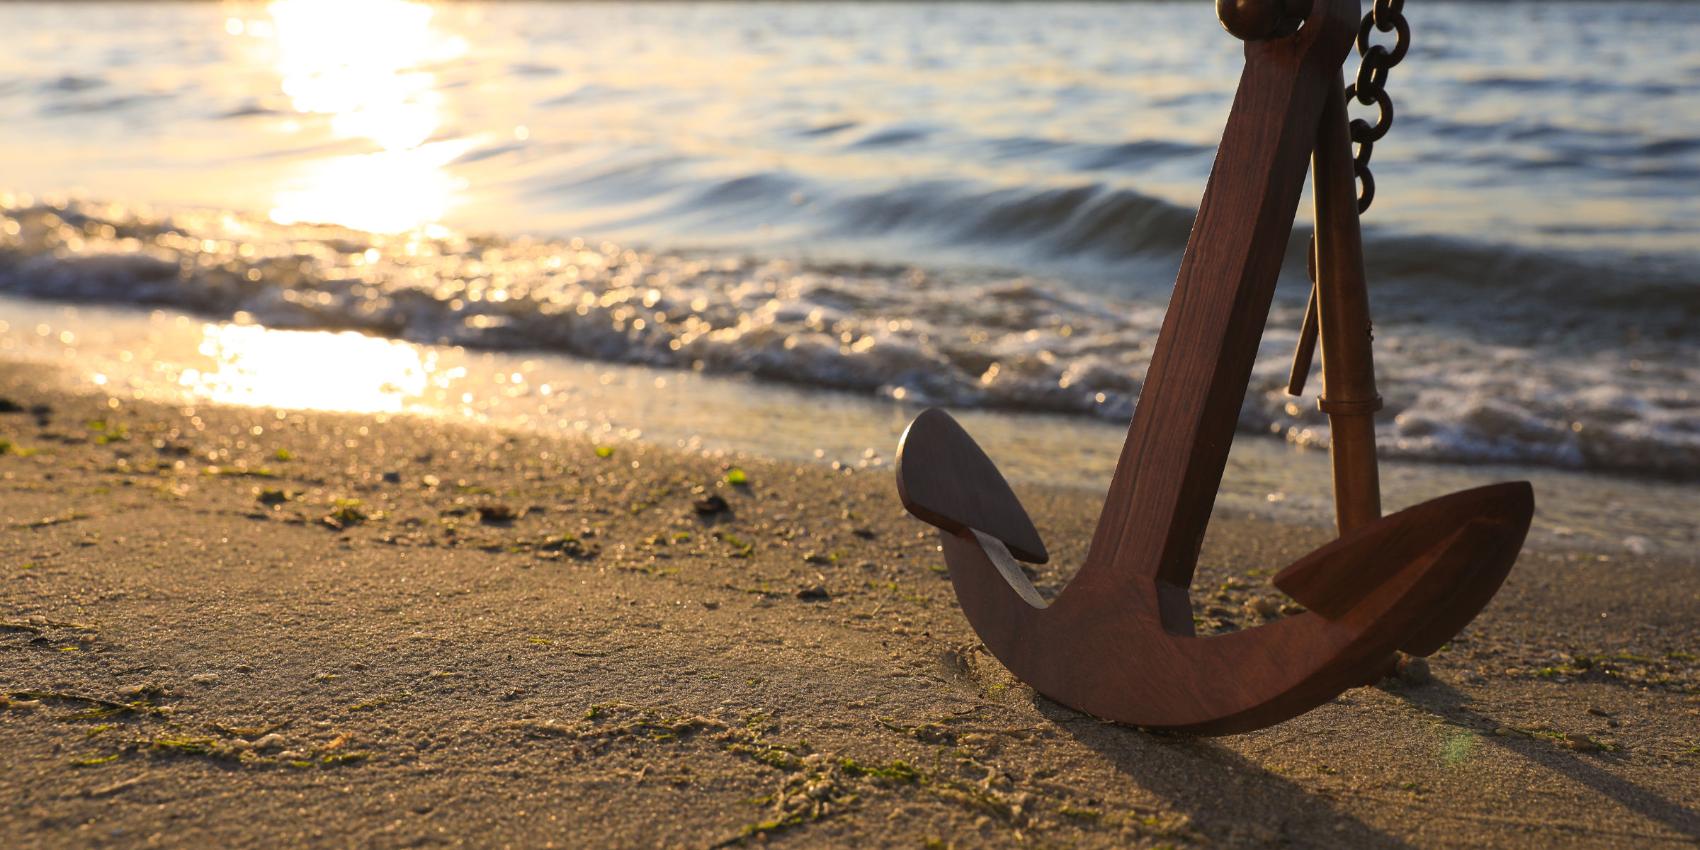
{"x": 1118, "y": 641}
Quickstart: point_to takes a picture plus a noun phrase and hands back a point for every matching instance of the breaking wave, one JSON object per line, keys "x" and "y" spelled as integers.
{"x": 1537, "y": 393}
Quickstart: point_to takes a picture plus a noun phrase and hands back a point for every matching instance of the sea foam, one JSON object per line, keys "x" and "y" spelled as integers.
{"x": 944, "y": 337}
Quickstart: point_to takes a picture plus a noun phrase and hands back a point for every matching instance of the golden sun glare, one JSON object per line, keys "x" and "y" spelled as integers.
{"x": 363, "y": 67}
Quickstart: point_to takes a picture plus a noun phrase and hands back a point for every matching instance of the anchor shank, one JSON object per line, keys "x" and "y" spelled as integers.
{"x": 1348, "y": 367}
{"x": 1166, "y": 479}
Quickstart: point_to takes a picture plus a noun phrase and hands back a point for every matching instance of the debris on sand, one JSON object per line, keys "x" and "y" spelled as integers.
{"x": 1266, "y": 607}
{"x": 496, "y": 514}
{"x": 568, "y": 545}
{"x": 344, "y": 513}
{"x": 1581, "y": 743}
{"x": 1413, "y": 670}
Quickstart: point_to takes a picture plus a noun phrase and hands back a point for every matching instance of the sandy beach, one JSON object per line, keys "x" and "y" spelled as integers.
{"x": 473, "y": 424}
{"x": 242, "y": 627}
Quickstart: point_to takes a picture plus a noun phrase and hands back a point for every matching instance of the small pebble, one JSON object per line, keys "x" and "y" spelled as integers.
{"x": 1413, "y": 670}
{"x": 711, "y": 505}
{"x": 814, "y": 593}
{"x": 392, "y": 478}
{"x": 204, "y": 678}
{"x": 1580, "y": 742}
{"x": 497, "y": 514}
{"x": 1263, "y": 606}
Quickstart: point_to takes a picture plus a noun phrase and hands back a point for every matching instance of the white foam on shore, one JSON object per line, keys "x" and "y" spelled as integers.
{"x": 988, "y": 341}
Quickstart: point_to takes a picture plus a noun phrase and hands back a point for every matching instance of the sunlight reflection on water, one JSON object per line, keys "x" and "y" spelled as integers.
{"x": 383, "y": 192}
{"x": 364, "y": 66}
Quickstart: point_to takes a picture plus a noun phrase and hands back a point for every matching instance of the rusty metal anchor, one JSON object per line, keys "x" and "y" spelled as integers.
{"x": 1118, "y": 640}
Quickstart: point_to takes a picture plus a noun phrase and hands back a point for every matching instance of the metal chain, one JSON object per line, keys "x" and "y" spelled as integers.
{"x": 1370, "y": 88}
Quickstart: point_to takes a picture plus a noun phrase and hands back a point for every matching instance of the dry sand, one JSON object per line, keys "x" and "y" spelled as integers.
{"x": 242, "y": 628}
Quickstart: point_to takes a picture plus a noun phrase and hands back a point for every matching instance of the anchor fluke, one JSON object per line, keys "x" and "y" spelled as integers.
{"x": 945, "y": 480}
{"x": 1334, "y": 579}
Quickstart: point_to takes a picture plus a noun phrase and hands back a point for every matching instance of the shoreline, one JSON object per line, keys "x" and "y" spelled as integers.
{"x": 513, "y": 638}
{"x": 178, "y": 359}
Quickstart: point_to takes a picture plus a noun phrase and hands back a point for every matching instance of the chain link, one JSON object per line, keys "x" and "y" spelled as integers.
{"x": 1370, "y": 87}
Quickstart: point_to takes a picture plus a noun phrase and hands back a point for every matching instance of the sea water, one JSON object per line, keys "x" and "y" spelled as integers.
{"x": 974, "y": 205}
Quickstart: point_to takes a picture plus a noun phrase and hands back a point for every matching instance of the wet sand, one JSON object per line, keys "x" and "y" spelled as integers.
{"x": 239, "y": 627}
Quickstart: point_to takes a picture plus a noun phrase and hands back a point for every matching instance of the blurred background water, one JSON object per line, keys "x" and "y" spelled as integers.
{"x": 977, "y": 204}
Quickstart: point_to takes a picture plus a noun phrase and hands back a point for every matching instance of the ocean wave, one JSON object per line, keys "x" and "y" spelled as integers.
{"x": 1573, "y": 86}
{"x": 1110, "y": 226}
{"x": 829, "y": 128}
{"x": 1084, "y": 220}
{"x": 100, "y": 105}
{"x": 927, "y": 336}
{"x": 893, "y": 137}
{"x": 72, "y": 83}
{"x": 1140, "y": 154}
{"x": 249, "y": 109}
{"x": 1105, "y": 230}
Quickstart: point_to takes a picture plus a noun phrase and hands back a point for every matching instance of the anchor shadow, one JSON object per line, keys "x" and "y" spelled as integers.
{"x": 1230, "y": 800}
{"x": 1448, "y": 703}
